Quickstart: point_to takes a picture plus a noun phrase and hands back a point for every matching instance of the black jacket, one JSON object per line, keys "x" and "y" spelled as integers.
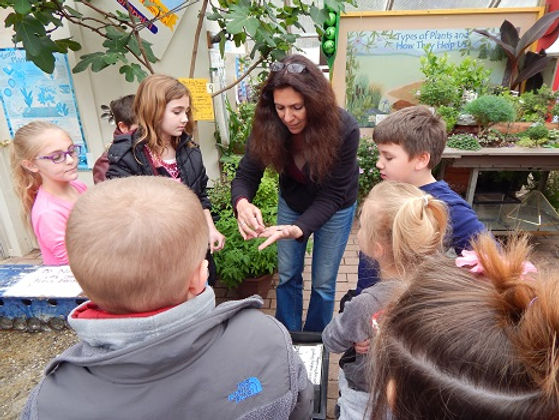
{"x": 317, "y": 202}
{"x": 125, "y": 160}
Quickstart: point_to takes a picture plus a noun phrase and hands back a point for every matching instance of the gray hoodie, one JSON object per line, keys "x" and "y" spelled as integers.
{"x": 193, "y": 361}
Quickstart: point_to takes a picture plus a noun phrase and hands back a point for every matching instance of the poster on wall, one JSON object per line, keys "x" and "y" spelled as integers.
{"x": 396, "y": 57}
{"x": 378, "y": 61}
{"x": 28, "y": 94}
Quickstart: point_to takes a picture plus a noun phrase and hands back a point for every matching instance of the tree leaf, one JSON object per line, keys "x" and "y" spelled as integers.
{"x": 12, "y": 19}
{"x": 44, "y": 60}
{"x": 537, "y": 65}
{"x": 86, "y": 60}
{"x": 72, "y": 12}
{"x": 318, "y": 16}
{"x": 68, "y": 44}
{"x": 252, "y": 25}
{"x": 536, "y": 31}
{"x": 23, "y": 7}
{"x": 509, "y": 34}
{"x": 28, "y": 32}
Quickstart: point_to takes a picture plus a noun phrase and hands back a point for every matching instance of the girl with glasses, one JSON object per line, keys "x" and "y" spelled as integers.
{"x": 300, "y": 131}
{"x": 45, "y": 171}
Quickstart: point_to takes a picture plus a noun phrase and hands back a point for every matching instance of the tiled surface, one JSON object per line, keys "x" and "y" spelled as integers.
{"x": 546, "y": 254}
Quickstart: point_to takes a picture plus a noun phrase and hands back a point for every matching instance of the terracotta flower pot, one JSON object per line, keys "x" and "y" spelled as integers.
{"x": 255, "y": 286}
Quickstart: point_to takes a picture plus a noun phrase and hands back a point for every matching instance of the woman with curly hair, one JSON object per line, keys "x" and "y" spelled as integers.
{"x": 300, "y": 131}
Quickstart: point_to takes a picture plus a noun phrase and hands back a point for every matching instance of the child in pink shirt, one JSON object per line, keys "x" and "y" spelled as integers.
{"x": 45, "y": 166}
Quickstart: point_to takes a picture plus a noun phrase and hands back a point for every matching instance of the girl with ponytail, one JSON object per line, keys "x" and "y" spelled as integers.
{"x": 476, "y": 343}
{"x": 400, "y": 227}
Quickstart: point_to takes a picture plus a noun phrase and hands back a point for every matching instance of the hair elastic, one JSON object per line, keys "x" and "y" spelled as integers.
{"x": 532, "y": 301}
{"x": 425, "y": 200}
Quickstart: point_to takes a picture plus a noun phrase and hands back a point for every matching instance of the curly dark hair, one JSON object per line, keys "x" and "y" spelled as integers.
{"x": 270, "y": 139}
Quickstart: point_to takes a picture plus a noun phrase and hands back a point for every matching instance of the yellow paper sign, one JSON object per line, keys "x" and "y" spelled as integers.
{"x": 202, "y": 105}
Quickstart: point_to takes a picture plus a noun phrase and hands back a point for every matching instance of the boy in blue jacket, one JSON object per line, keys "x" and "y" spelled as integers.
{"x": 410, "y": 143}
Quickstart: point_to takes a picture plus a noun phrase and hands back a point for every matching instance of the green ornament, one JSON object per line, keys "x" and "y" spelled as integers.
{"x": 331, "y": 20}
{"x": 330, "y": 32}
{"x": 329, "y": 47}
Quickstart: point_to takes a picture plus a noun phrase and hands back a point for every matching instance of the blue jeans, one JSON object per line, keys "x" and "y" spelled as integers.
{"x": 328, "y": 248}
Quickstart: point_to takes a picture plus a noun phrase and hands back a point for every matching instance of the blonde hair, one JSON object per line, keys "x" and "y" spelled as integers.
{"x": 405, "y": 221}
{"x": 487, "y": 344}
{"x": 134, "y": 243}
{"x": 26, "y": 145}
{"x": 153, "y": 95}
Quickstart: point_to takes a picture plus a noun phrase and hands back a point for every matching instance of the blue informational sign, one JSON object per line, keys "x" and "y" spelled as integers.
{"x": 28, "y": 94}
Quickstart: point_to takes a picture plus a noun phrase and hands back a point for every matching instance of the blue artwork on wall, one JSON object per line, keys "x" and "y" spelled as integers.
{"x": 28, "y": 94}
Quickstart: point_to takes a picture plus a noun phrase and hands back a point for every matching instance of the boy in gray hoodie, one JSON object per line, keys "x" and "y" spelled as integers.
{"x": 153, "y": 343}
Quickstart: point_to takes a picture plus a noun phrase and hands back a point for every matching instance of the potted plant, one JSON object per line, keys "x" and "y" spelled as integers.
{"x": 490, "y": 109}
{"x": 240, "y": 265}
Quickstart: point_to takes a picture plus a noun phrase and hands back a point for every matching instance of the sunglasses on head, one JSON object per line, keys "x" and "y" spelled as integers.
{"x": 295, "y": 68}
{"x": 60, "y": 157}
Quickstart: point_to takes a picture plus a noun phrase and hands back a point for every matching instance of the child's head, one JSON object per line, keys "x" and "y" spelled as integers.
{"x": 123, "y": 113}
{"x": 464, "y": 346}
{"x": 163, "y": 108}
{"x": 400, "y": 226}
{"x": 138, "y": 244}
{"x": 38, "y": 157}
{"x": 410, "y": 142}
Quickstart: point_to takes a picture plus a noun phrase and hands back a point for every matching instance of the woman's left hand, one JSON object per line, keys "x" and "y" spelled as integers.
{"x": 274, "y": 233}
{"x": 217, "y": 240}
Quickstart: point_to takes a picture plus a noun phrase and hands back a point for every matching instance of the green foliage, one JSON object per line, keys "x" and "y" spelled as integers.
{"x": 494, "y": 138}
{"x": 369, "y": 175}
{"x": 446, "y": 82}
{"x": 450, "y": 116}
{"x": 463, "y": 142}
{"x": 36, "y": 23}
{"x": 240, "y": 125}
{"x": 265, "y": 25}
{"x": 537, "y": 132}
{"x": 490, "y": 109}
{"x": 241, "y": 259}
{"x": 537, "y": 106}
{"x": 526, "y": 141}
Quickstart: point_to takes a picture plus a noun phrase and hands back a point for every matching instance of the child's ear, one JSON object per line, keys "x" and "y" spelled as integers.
{"x": 377, "y": 251}
{"x": 198, "y": 280}
{"x": 29, "y": 165}
{"x": 422, "y": 160}
{"x": 123, "y": 127}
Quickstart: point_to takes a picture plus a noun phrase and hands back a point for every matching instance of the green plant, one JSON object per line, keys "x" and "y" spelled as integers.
{"x": 239, "y": 125}
{"x": 494, "y": 138}
{"x": 450, "y": 116}
{"x": 463, "y": 142}
{"x": 536, "y": 132}
{"x": 537, "y": 106}
{"x": 446, "y": 82}
{"x": 518, "y": 69}
{"x": 241, "y": 259}
{"x": 369, "y": 175}
{"x": 526, "y": 141}
{"x": 490, "y": 109}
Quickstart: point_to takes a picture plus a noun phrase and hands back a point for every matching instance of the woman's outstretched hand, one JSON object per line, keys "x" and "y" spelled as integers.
{"x": 274, "y": 233}
{"x": 249, "y": 219}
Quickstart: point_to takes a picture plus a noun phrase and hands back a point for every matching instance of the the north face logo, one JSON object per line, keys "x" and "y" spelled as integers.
{"x": 245, "y": 389}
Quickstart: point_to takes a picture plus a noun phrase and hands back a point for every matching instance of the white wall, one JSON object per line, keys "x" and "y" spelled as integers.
{"x": 94, "y": 89}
